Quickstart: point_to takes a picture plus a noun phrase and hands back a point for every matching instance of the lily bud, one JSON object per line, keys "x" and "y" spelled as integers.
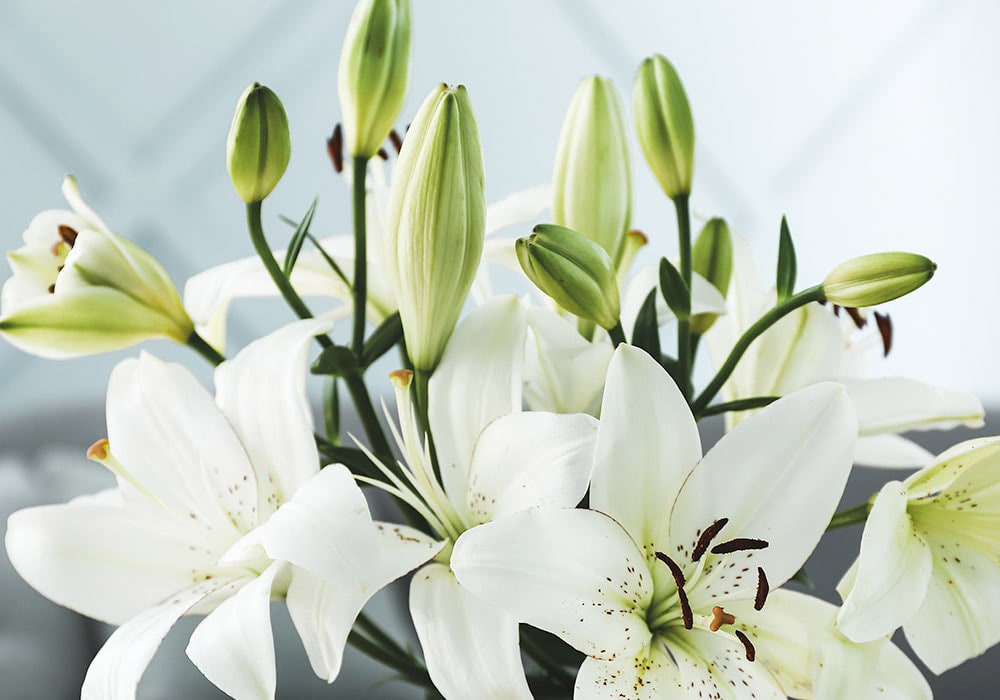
{"x": 259, "y": 145}
{"x": 78, "y": 289}
{"x": 664, "y": 125}
{"x": 592, "y": 179}
{"x": 877, "y": 278}
{"x": 436, "y": 221}
{"x": 374, "y": 72}
{"x": 712, "y": 258}
{"x": 576, "y": 272}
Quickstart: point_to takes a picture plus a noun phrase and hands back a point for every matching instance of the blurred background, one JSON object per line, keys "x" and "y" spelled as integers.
{"x": 872, "y": 125}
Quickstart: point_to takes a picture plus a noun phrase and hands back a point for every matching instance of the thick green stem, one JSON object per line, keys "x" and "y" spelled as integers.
{"x": 369, "y": 419}
{"x": 199, "y": 345}
{"x": 684, "y": 325}
{"x": 752, "y": 333}
{"x": 617, "y": 334}
{"x": 291, "y": 297}
{"x": 407, "y": 668}
{"x": 738, "y": 405}
{"x": 851, "y": 516}
{"x": 360, "y": 286}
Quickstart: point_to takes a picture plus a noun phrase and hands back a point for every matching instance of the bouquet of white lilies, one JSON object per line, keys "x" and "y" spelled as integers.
{"x": 562, "y": 533}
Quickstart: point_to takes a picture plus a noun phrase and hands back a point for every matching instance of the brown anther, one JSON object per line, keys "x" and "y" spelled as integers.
{"x": 382, "y": 154}
{"x": 836, "y": 310}
{"x": 397, "y": 141}
{"x": 52, "y": 288}
{"x": 763, "y": 588}
{"x": 636, "y": 233}
{"x": 720, "y": 617}
{"x": 686, "y": 615}
{"x": 68, "y": 234}
{"x": 674, "y": 569}
{"x": 401, "y": 376}
{"x": 335, "y": 147}
{"x": 99, "y": 450}
{"x": 747, "y": 646}
{"x": 738, "y": 545}
{"x": 884, "y": 324}
{"x": 706, "y": 538}
{"x": 859, "y": 320}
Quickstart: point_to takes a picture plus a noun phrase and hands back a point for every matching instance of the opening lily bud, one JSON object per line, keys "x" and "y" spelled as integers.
{"x": 592, "y": 179}
{"x": 576, "y": 272}
{"x": 877, "y": 278}
{"x": 374, "y": 73}
{"x": 436, "y": 221}
{"x": 712, "y": 258}
{"x": 664, "y": 125}
{"x": 259, "y": 145}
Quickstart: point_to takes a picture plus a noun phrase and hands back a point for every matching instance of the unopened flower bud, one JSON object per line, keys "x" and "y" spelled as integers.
{"x": 259, "y": 145}
{"x": 877, "y": 278}
{"x": 436, "y": 221}
{"x": 664, "y": 125}
{"x": 576, "y": 272}
{"x": 78, "y": 289}
{"x": 374, "y": 72}
{"x": 712, "y": 258}
{"x": 592, "y": 179}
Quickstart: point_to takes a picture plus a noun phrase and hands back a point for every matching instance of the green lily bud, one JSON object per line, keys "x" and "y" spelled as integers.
{"x": 259, "y": 146}
{"x": 592, "y": 179}
{"x": 374, "y": 72}
{"x": 712, "y": 258}
{"x": 78, "y": 289}
{"x": 664, "y": 125}
{"x": 877, "y": 278}
{"x": 576, "y": 272}
{"x": 436, "y": 221}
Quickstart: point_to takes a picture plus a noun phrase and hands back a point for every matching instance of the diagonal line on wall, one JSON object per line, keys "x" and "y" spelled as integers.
{"x": 883, "y": 70}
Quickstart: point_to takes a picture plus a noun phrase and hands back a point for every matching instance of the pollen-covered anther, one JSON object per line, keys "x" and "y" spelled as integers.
{"x": 638, "y": 235}
{"x": 739, "y": 544}
{"x": 397, "y": 140}
{"x": 99, "y": 451}
{"x": 335, "y": 148}
{"x": 747, "y": 645}
{"x": 68, "y": 234}
{"x": 401, "y": 378}
{"x": 763, "y": 588}
{"x": 706, "y": 538}
{"x": 720, "y": 617}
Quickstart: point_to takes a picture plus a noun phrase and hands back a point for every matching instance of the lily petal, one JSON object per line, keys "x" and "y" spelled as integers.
{"x": 262, "y": 393}
{"x": 518, "y": 208}
{"x": 115, "y": 672}
{"x": 647, "y": 443}
{"x": 478, "y": 380}
{"x": 892, "y": 574}
{"x": 894, "y": 404}
{"x": 574, "y": 573}
{"x": 233, "y": 646}
{"x": 785, "y": 468}
{"x": 876, "y": 670}
{"x": 890, "y": 451}
{"x": 530, "y": 459}
{"x": 470, "y": 646}
{"x": 716, "y": 666}
{"x": 649, "y": 675}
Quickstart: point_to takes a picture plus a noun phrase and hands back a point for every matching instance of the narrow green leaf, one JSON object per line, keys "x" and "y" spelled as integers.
{"x": 675, "y": 291}
{"x": 786, "y": 263}
{"x": 331, "y": 410}
{"x": 802, "y": 578}
{"x": 381, "y": 341}
{"x": 330, "y": 261}
{"x": 646, "y": 332}
{"x": 295, "y": 245}
{"x": 336, "y": 361}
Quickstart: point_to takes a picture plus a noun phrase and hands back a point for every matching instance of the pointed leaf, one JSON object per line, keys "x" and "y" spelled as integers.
{"x": 786, "y": 263}
{"x": 675, "y": 291}
{"x": 337, "y": 361}
{"x": 646, "y": 332}
{"x": 295, "y": 244}
{"x": 381, "y": 341}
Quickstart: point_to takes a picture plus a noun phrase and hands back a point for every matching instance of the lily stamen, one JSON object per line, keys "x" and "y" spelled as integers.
{"x": 763, "y": 588}
{"x": 747, "y": 645}
{"x": 739, "y": 544}
{"x": 706, "y": 538}
{"x": 68, "y": 234}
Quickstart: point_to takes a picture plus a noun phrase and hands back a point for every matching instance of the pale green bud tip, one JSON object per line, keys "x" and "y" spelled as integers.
{"x": 374, "y": 72}
{"x": 259, "y": 145}
{"x": 664, "y": 125}
{"x": 576, "y": 272}
{"x": 877, "y": 278}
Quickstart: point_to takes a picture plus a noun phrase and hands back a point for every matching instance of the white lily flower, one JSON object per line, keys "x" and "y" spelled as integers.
{"x": 78, "y": 289}
{"x": 812, "y": 345}
{"x": 208, "y": 294}
{"x": 930, "y": 559}
{"x": 494, "y": 461}
{"x": 640, "y": 582}
{"x": 798, "y": 642}
{"x": 220, "y": 507}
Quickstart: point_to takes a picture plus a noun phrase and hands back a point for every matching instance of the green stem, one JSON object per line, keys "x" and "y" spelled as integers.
{"x": 409, "y": 669}
{"x": 274, "y": 270}
{"x": 199, "y": 345}
{"x": 617, "y": 334}
{"x": 366, "y": 413}
{"x": 850, "y": 516}
{"x": 360, "y": 286}
{"x": 738, "y": 405}
{"x": 684, "y": 325}
{"x": 760, "y": 325}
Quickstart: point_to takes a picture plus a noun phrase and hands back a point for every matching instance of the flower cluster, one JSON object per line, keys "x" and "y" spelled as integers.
{"x": 559, "y": 527}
